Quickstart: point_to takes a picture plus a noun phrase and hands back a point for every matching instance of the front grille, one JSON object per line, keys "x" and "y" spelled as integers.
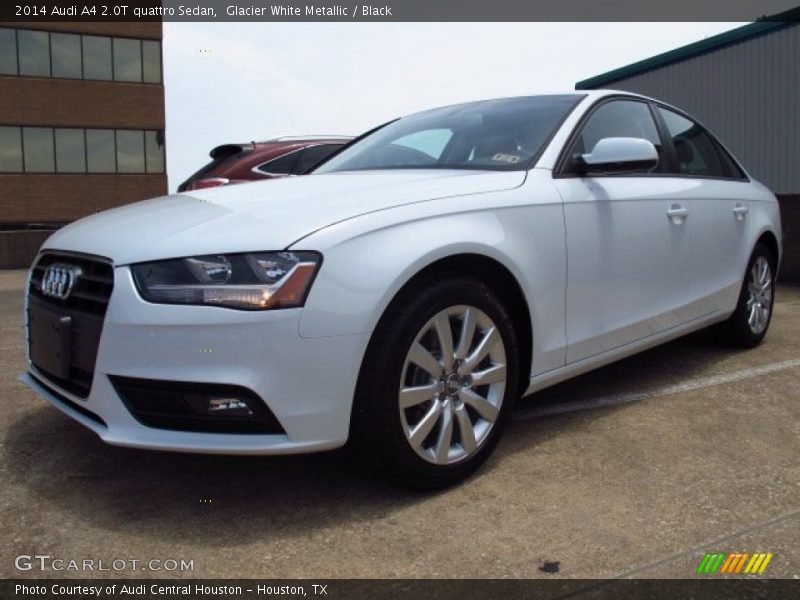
{"x": 80, "y": 317}
{"x": 93, "y": 289}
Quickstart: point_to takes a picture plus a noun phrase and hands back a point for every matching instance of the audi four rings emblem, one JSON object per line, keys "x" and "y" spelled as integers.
{"x": 59, "y": 280}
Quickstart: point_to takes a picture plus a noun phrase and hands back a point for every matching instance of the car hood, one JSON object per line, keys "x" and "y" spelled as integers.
{"x": 269, "y": 215}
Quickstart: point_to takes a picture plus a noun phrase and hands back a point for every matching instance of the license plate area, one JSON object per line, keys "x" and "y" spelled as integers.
{"x": 49, "y": 337}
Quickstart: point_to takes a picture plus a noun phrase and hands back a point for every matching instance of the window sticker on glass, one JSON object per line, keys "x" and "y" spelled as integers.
{"x": 507, "y": 158}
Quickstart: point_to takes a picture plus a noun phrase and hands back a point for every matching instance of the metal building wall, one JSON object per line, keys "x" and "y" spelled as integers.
{"x": 748, "y": 94}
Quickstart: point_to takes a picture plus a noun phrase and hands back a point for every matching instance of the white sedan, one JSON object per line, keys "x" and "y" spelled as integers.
{"x": 404, "y": 295}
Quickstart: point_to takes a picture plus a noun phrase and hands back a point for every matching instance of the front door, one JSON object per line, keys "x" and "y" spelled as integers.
{"x": 627, "y": 241}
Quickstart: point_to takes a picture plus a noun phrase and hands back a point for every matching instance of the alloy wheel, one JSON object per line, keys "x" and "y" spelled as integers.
{"x": 452, "y": 384}
{"x": 759, "y": 295}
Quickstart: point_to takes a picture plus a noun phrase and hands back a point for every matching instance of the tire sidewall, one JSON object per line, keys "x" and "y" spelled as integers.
{"x": 380, "y": 382}
{"x": 741, "y": 315}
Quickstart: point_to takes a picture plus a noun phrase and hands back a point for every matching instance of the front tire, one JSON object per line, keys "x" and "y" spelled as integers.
{"x": 749, "y": 323}
{"x": 436, "y": 383}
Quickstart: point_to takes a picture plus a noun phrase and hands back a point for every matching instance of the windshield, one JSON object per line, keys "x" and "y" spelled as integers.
{"x": 495, "y": 135}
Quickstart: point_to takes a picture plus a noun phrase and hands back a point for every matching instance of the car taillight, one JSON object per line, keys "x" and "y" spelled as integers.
{"x": 199, "y": 184}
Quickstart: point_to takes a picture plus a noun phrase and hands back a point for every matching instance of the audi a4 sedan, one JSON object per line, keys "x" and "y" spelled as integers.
{"x": 407, "y": 292}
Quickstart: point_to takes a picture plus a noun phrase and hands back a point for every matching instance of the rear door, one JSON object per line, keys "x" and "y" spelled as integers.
{"x": 627, "y": 240}
{"x": 719, "y": 206}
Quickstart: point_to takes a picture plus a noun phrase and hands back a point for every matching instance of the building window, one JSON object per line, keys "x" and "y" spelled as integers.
{"x": 75, "y": 56}
{"x": 97, "y": 58}
{"x": 34, "y": 53}
{"x": 76, "y": 150}
{"x": 151, "y": 61}
{"x": 154, "y": 151}
{"x": 100, "y": 151}
{"x": 127, "y": 60}
{"x": 8, "y": 52}
{"x": 70, "y": 151}
{"x": 130, "y": 151}
{"x": 65, "y": 54}
{"x": 38, "y": 149}
{"x": 10, "y": 150}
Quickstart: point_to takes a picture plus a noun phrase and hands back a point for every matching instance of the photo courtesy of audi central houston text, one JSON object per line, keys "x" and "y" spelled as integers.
{"x": 421, "y": 279}
{"x": 436, "y": 299}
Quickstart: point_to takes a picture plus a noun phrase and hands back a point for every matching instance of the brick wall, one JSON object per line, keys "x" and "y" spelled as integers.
{"x": 34, "y": 198}
{"x": 76, "y": 103}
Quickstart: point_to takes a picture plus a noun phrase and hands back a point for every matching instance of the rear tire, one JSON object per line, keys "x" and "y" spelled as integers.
{"x": 436, "y": 384}
{"x": 749, "y": 323}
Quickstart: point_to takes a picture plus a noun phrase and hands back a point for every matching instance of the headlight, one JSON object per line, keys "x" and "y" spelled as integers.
{"x": 252, "y": 281}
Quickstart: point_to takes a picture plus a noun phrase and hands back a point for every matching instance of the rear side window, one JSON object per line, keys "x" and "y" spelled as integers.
{"x": 312, "y": 156}
{"x": 695, "y": 150}
{"x": 282, "y": 165}
{"x": 620, "y": 118}
{"x": 729, "y": 165}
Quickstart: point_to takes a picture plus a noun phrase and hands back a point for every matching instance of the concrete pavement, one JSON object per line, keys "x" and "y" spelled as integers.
{"x": 700, "y": 456}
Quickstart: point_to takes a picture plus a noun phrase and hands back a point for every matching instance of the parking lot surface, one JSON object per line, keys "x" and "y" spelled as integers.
{"x": 634, "y": 470}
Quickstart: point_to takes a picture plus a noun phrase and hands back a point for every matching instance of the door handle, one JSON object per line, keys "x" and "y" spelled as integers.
{"x": 740, "y": 211}
{"x": 677, "y": 213}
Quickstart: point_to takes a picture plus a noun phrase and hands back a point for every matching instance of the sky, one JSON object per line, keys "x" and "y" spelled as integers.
{"x": 237, "y": 82}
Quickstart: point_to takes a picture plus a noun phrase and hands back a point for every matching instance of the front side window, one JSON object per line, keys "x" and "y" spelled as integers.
{"x": 695, "y": 151}
{"x": 493, "y": 135}
{"x": 619, "y": 118}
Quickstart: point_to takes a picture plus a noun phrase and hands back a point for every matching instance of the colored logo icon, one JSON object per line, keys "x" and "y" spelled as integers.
{"x": 738, "y": 562}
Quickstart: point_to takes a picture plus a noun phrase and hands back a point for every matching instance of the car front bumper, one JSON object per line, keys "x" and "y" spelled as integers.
{"x": 307, "y": 383}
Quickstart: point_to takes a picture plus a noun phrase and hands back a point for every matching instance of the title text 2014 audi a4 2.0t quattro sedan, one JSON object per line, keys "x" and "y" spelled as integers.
{"x": 408, "y": 291}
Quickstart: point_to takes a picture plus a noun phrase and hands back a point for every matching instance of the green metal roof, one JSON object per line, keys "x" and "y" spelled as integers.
{"x": 760, "y": 27}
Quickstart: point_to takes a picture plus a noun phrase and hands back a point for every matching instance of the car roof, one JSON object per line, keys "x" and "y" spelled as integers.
{"x": 592, "y": 95}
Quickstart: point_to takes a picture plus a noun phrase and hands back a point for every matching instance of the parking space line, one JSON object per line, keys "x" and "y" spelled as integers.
{"x": 616, "y": 399}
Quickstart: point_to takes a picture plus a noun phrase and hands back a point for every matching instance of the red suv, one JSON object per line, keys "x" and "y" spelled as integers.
{"x": 275, "y": 157}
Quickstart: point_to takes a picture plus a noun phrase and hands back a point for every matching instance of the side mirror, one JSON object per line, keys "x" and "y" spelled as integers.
{"x": 617, "y": 155}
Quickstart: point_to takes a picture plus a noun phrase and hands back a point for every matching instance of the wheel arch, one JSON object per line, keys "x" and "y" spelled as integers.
{"x": 770, "y": 240}
{"x": 496, "y": 276}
